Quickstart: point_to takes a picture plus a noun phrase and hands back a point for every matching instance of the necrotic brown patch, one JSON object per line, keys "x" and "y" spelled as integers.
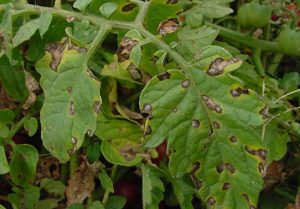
{"x": 233, "y": 139}
{"x": 226, "y": 186}
{"x": 128, "y": 7}
{"x": 148, "y": 130}
{"x": 71, "y": 108}
{"x": 164, "y": 76}
{"x": 238, "y": 91}
{"x": 195, "y": 123}
{"x": 185, "y": 83}
{"x": 211, "y": 201}
{"x": 97, "y": 107}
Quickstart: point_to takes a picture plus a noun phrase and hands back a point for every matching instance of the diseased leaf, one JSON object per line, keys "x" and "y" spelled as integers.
{"x": 120, "y": 141}
{"x": 4, "y": 167}
{"x": 55, "y": 188}
{"x": 184, "y": 192}
{"x": 153, "y": 188}
{"x": 24, "y": 198}
{"x": 72, "y": 100}
{"x": 6, "y": 33}
{"x": 81, "y": 4}
{"x": 44, "y": 22}
{"x": 208, "y": 119}
{"x": 26, "y": 31}
{"x": 108, "y": 8}
{"x": 23, "y": 163}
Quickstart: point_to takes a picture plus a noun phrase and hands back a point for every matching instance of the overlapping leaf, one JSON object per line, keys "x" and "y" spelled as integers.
{"x": 72, "y": 100}
{"x": 208, "y": 119}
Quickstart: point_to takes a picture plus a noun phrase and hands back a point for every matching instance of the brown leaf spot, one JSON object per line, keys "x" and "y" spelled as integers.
{"x": 47, "y": 167}
{"x": 198, "y": 184}
{"x": 211, "y": 104}
{"x": 148, "y": 130}
{"x": 185, "y": 83}
{"x": 71, "y": 108}
{"x": 81, "y": 184}
{"x": 233, "y": 139}
{"x": 70, "y": 19}
{"x": 97, "y": 107}
{"x": 128, "y": 7}
{"x": 56, "y": 50}
{"x": 250, "y": 150}
{"x": 134, "y": 73}
{"x": 238, "y": 91}
{"x": 230, "y": 167}
{"x": 218, "y": 65}
{"x": 195, "y": 123}
{"x": 76, "y": 48}
{"x": 211, "y": 201}
{"x": 216, "y": 125}
{"x": 261, "y": 168}
{"x": 246, "y": 197}
{"x": 147, "y": 108}
{"x": 164, "y": 76}
{"x": 125, "y": 48}
{"x": 226, "y": 186}
{"x": 264, "y": 112}
{"x": 196, "y": 166}
{"x": 128, "y": 152}
{"x": 220, "y": 168}
{"x": 33, "y": 88}
{"x": 168, "y": 26}
{"x": 70, "y": 90}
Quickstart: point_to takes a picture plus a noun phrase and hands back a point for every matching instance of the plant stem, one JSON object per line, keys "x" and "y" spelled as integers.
{"x": 245, "y": 39}
{"x": 274, "y": 63}
{"x": 142, "y": 13}
{"x": 16, "y": 127}
{"x": 57, "y": 4}
{"x": 258, "y": 63}
{"x": 74, "y": 162}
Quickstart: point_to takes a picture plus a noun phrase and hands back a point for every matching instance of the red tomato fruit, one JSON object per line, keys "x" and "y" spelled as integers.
{"x": 127, "y": 189}
{"x": 161, "y": 150}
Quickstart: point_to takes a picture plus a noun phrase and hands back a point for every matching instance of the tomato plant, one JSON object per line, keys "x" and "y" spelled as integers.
{"x": 149, "y": 104}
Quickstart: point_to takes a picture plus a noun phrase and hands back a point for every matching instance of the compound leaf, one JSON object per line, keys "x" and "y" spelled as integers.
{"x": 72, "y": 101}
{"x": 208, "y": 119}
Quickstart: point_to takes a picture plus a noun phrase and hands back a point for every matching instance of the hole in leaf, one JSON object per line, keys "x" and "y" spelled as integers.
{"x": 211, "y": 201}
{"x": 226, "y": 186}
{"x": 164, "y": 76}
{"x": 195, "y": 123}
{"x": 128, "y": 7}
{"x": 185, "y": 83}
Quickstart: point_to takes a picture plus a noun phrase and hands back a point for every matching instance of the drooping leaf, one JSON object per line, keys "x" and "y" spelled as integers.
{"x": 44, "y": 22}
{"x": 120, "y": 141}
{"x": 81, "y": 4}
{"x": 6, "y": 32}
{"x": 26, "y": 31}
{"x": 23, "y": 163}
{"x": 108, "y": 8}
{"x": 208, "y": 119}
{"x": 13, "y": 79}
{"x": 153, "y": 188}
{"x": 72, "y": 102}
{"x": 4, "y": 167}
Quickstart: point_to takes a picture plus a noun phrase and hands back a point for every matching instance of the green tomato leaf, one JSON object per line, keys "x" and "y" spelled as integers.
{"x": 208, "y": 119}
{"x": 211, "y": 9}
{"x": 115, "y": 202}
{"x": 55, "y": 188}
{"x": 25, "y": 198}
{"x": 44, "y": 22}
{"x": 184, "y": 192}
{"x": 136, "y": 55}
{"x": 4, "y": 167}
{"x": 6, "y": 33}
{"x": 72, "y": 102}
{"x": 26, "y": 31}
{"x": 106, "y": 182}
{"x": 120, "y": 141}
{"x": 153, "y": 188}
{"x": 96, "y": 205}
{"x": 13, "y": 79}
{"x": 76, "y": 206}
{"x": 192, "y": 40}
{"x": 81, "y": 4}
{"x": 23, "y": 163}
{"x": 4, "y": 131}
{"x": 290, "y": 81}
{"x": 31, "y": 125}
{"x": 46, "y": 204}
{"x": 108, "y": 8}
{"x": 6, "y": 116}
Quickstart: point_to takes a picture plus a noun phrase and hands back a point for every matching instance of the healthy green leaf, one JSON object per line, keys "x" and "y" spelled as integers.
{"x": 81, "y": 4}
{"x": 31, "y": 125}
{"x": 75, "y": 206}
{"x": 96, "y": 205}
{"x": 44, "y": 22}
{"x": 212, "y": 10}
{"x": 46, "y": 204}
{"x": 208, "y": 119}
{"x": 23, "y": 163}
{"x": 26, "y": 31}
{"x": 4, "y": 167}
{"x": 290, "y": 81}
{"x": 72, "y": 102}
{"x": 108, "y": 8}
{"x": 106, "y": 182}
{"x": 24, "y": 198}
{"x": 136, "y": 55}
{"x": 6, "y": 116}
{"x": 153, "y": 188}
{"x": 4, "y": 131}
{"x": 120, "y": 141}
{"x": 184, "y": 192}
{"x": 115, "y": 202}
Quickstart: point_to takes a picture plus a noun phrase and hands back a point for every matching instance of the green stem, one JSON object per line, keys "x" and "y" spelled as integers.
{"x": 245, "y": 39}
{"x": 107, "y": 192}
{"x": 16, "y": 127}
{"x": 57, "y": 4}
{"x": 74, "y": 163}
{"x": 104, "y": 29}
{"x": 142, "y": 13}
{"x": 258, "y": 63}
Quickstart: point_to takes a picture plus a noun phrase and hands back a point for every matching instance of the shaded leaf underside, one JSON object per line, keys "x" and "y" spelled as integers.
{"x": 206, "y": 123}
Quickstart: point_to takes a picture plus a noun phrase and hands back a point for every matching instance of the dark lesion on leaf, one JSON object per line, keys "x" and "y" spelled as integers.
{"x": 74, "y": 141}
{"x": 226, "y": 186}
{"x": 168, "y": 26}
{"x": 211, "y": 104}
{"x": 128, "y": 7}
{"x": 134, "y": 72}
{"x": 261, "y": 153}
{"x": 220, "y": 168}
{"x": 264, "y": 112}
{"x": 77, "y": 48}
{"x": 56, "y": 50}
{"x": 228, "y": 166}
{"x": 185, "y": 83}
{"x": 164, "y": 76}
{"x": 216, "y": 125}
{"x": 195, "y": 123}
{"x": 70, "y": 90}
{"x": 129, "y": 152}
{"x": 148, "y": 130}
{"x": 125, "y": 48}
{"x": 211, "y": 201}
{"x": 233, "y": 139}
{"x": 238, "y": 91}
{"x": 218, "y": 65}
{"x": 71, "y": 108}
{"x": 97, "y": 107}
